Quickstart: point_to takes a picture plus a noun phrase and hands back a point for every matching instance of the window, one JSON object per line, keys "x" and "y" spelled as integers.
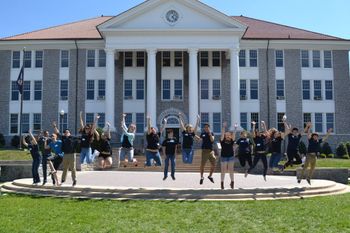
{"x": 101, "y": 58}
{"x": 216, "y": 58}
{"x": 307, "y": 118}
{"x": 64, "y": 58}
{"x": 166, "y": 89}
{"x": 327, "y": 59}
{"x": 64, "y": 90}
{"x": 128, "y": 59}
{"x": 254, "y": 116}
{"x": 242, "y": 61}
{"x": 140, "y": 123}
{"x": 217, "y": 122}
{"x": 14, "y": 123}
{"x": 316, "y": 58}
{"x": 140, "y": 89}
{"x": 318, "y": 122}
{"x": 89, "y": 118}
{"x": 90, "y": 89}
{"x": 204, "y": 89}
{"x": 216, "y": 89}
{"x": 37, "y": 90}
{"x": 253, "y": 58}
{"x": 329, "y": 89}
{"x": 14, "y": 91}
{"x": 243, "y": 89}
{"x": 26, "y": 90}
{"x": 254, "y": 95}
{"x": 305, "y": 58}
{"x": 280, "y": 124}
{"x": 102, "y": 120}
{"x": 178, "y": 59}
{"x": 279, "y": 58}
{"x": 166, "y": 59}
{"x": 91, "y": 58}
{"x": 204, "y": 119}
{"x": 128, "y": 119}
{"x": 25, "y": 122}
{"x": 280, "y": 89}
{"x": 244, "y": 120}
{"x": 317, "y": 90}
{"x": 101, "y": 89}
{"x": 27, "y": 59}
{"x": 64, "y": 121}
{"x": 38, "y": 59}
{"x": 178, "y": 89}
{"x": 128, "y": 89}
{"x": 330, "y": 121}
{"x": 140, "y": 59}
{"x": 16, "y": 59}
{"x": 306, "y": 90}
{"x": 37, "y": 121}
{"x": 204, "y": 58}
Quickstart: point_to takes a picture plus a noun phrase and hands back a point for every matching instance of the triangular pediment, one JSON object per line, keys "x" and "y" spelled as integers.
{"x": 172, "y": 15}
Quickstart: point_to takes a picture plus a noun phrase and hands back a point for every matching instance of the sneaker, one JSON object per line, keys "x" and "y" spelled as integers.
{"x": 44, "y": 182}
{"x": 173, "y": 177}
{"x": 74, "y": 183}
{"x": 265, "y": 178}
{"x": 308, "y": 181}
{"x": 222, "y": 186}
{"x": 299, "y": 181}
{"x": 201, "y": 181}
{"x": 232, "y": 184}
{"x": 62, "y": 181}
{"x": 165, "y": 177}
{"x": 211, "y": 179}
{"x": 246, "y": 173}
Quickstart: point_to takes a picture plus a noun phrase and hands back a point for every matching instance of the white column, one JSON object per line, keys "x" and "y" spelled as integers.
{"x": 110, "y": 84}
{"x": 193, "y": 85}
{"x": 234, "y": 82}
{"x": 152, "y": 85}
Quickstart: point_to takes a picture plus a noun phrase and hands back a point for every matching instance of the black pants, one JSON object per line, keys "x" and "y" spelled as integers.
{"x": 245, "y": 157}
{"x": 291, "y": 156}
{"x": 263, "y": 158}
{"x": 56, "y": 164}
{"x": 44, "y": 165}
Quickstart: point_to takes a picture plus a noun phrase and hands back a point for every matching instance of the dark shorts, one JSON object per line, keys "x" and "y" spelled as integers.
{"x": 104, "y": 156}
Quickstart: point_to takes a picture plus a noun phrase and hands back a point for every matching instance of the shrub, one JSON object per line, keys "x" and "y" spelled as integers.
{"x": 346, "y": 156}
{"x": 347, "y": 146}
{"x": 2, "y": 140}
{"x": 15, "y": 141}
{"x": 326, "y": 149}
{"x": 323, "y": 156}
{"x": 302, "y": 148}
{"x": 331, "y": 156}
{"x": 341, "y": 150}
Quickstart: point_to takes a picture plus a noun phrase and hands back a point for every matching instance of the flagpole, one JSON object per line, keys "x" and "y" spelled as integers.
{"x": 21, "y": 108}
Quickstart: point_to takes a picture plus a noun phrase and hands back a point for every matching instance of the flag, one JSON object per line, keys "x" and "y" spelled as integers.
{"x": 20, "y": 80}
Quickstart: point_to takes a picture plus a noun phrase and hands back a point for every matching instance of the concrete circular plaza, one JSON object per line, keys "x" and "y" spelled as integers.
{"x": 144, "y": 185}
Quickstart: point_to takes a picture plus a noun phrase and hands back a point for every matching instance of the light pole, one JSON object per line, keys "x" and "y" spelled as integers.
{"x": 61, "y": 120}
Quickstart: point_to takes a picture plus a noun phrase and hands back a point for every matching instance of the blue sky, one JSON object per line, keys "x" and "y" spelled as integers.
{"x": 330, "y": 17}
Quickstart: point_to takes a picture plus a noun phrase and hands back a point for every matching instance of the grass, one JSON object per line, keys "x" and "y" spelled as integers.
{"x": 338, "y": 163}
{"x": 35, "y": 214}
{"x": 14, "y": 155}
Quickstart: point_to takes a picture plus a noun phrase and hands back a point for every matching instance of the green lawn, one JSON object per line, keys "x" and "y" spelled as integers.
{"x": 14, "y": 155}
{"x": 35, "y": 214}
{"x": 339, "y": 163}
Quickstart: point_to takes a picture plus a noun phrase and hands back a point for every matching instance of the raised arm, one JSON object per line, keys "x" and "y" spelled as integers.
{"x": 148, "y": 125}
{"x": 264, "y": 128}
{"x": 97, "y": 135}
{"x": 253, "y": 129}
{"x": 162, "y": 128}
{"x": 123, "y": 124}
{"x": 32, "y": 137}
{"x": 329, "y": 131}
{"x": 307, "y": 130}
{"x": 197, "y": 124}
{"x": 182, "y": 125}
{"x": 94, "y": 125}
{"x": 223, "y": 130}
{"x": 55, "y": 129}
{"x": 81, "y": 120}
{"x": 24, "y": 141}
{"x": 108, "y": 132}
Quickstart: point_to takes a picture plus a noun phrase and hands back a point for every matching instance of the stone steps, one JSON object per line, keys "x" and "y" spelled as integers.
{"x": 319, "y": 188}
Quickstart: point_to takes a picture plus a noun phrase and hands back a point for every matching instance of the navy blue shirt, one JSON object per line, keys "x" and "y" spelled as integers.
{"x": 86, "y": 140}
{"x": 314, "y": 146}
{"x": 34, "y": 150}
{"x": 207, "y": 144}
{"x": 227, "y": 148}
{"x": 260, "y": 143}
{"x": 170, "y": 145}
{"x": 244, "y": 145}
{"x": 152, "y": 141}
{"x": 293, "y": 142}
{"x": 187, "y": 140}
{"x": 276, "y": 145}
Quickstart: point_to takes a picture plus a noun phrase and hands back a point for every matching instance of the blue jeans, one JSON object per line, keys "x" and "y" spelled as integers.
{"x": 166, "y": 167}
{"x": 85, "y": 155}
{"x": 150, "y": 156}
{"x": 187, "y": 155}
{"x": 35, "y": 168}
{"x": 275, "y": 159}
